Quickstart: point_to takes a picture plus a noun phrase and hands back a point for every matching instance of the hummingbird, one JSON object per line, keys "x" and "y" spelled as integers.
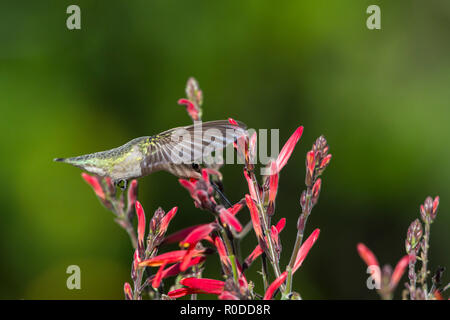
{"x": 164, "y": 151}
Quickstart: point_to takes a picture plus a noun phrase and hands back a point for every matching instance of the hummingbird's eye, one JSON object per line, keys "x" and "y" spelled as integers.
{"x": 122, "y": 184}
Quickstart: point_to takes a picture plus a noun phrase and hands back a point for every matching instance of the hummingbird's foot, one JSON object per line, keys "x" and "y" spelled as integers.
{"x": 122, "y": 184}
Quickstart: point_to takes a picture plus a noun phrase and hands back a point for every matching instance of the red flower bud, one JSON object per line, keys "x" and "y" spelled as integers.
{"x": 128, "y": 292}
{"x": 168, "y": 257}
{"x": 325, "y": 161}
{"x": 310, "y": 162}
{"x": 316, "y": 188}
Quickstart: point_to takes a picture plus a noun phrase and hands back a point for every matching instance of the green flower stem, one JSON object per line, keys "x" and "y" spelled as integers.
{"x": 266, "y": 228}
{"x": 424, "y": 271}
{"x": 300, "y": 233}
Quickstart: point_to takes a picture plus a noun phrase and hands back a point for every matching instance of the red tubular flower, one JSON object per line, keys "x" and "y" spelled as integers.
{"x": 281, "y": 224}
{"x": 236, "y": 208}
{"x": 166, "y": 220}
{"x": 254, "y": 214}
{"x": 369, "y": 258}
{"x": 141, "y": 223}
{"x": 159, "y": 276}
{"x": 179, "y": 293}
{"x": 222, "y": 252}
{"x": 251, "y": 186}
{"x": 175, "y": 270}
{"x": 274, "y": 235}
{"x": 258, "y": 250}
{"x": 187, "y": 259}
{"x": 399, "y": 271}
{"x": 254, "y": 255}
{"x": 273, "y": 182}
{"x": 288, "y": 147}
{"x": 188, "y": 185}
{"x": 274, "y": 286}
{"x": 197, "y": 234}
{"x": 304, "y": 249}
{"x": 191, "y": 109}
{"x": 132, "y": 193}
{"x": 190, "y": 242}
{"x": 95, "y": 184}
{"x": 209, "y": 171}
{"x": 207, "y": 285}
{"x": 128, "y": 292}
{"x": 179, "y": 235}
{"x": 168, "y": 257}
{"x": 367, "y": 255}
{"x": 229, "y": 219}
{"x": 196, "y": 285}
{"x": 205, "y": 175}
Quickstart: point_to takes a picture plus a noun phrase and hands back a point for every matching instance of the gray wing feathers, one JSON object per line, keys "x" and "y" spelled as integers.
{"x": 190, "y": 144}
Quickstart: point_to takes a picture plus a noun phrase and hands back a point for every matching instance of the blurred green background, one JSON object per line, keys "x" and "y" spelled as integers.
{"x": 380, "y": 97}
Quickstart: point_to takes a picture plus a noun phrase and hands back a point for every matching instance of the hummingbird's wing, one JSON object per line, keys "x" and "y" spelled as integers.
{"x": 176, "y": 150}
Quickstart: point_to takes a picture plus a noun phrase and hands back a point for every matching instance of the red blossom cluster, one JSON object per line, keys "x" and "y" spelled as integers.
{"x": 153, "y": 264}
{"x": 416, "y": 246}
